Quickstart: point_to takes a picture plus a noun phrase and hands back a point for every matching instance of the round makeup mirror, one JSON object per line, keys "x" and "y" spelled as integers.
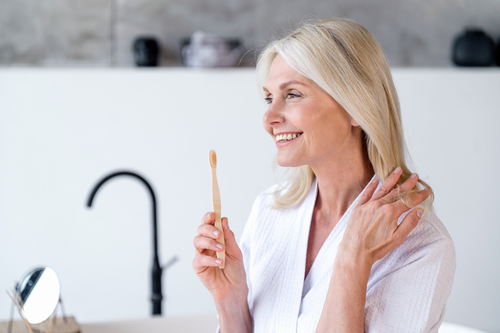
{"x": 38, "y": 294}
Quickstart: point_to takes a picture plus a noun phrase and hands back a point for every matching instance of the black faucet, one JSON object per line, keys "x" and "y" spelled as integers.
{"x": 156, "y": 296}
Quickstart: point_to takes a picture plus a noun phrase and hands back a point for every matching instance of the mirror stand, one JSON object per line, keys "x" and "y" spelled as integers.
{"x": 64, "y": 324}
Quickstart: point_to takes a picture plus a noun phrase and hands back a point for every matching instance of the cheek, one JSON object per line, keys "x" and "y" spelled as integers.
{"x": 329, "y": 131}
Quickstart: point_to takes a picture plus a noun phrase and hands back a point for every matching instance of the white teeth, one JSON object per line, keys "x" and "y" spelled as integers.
{"x": 287, "y": 137}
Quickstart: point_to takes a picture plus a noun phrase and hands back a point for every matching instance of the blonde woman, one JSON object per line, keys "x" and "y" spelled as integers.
{"x": 342, "y": 246}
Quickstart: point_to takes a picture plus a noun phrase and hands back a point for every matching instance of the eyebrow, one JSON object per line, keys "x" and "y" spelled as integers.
{"x": 286, "y": 84}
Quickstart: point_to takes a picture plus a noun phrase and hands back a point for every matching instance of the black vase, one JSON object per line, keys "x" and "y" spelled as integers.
{"x": 474, "y": 48}
{"x": 498, "y": 52}
{"x": 146, "y": 51}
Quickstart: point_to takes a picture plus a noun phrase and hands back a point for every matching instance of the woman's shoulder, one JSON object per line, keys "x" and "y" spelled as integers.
{"x": 430, "y": 230}
{"x": 427, "y": 252}
{"x": 429, "y": 241}
{"x": 413, "y": 281}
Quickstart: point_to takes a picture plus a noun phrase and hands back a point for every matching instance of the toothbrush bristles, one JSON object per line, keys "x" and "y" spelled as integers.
{"x": 213, "y": 158}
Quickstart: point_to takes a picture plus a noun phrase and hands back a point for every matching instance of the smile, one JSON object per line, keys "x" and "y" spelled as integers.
{"x": 287, "y": 137}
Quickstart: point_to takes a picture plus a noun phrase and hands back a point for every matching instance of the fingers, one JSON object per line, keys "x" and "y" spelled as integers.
{"x": 203, "y": 243}
{"x": 410, "y": 183}
{"x": 208, "y": 218}
{"x": 209, "y": 238}
{"x": 208, "y": 235}
{"x": 389, "y": 184}
{"x": 229, "y": 238}
{"x": 415, "y": 199}
{"x": 201, "y": 261}
{"x": 209, "y": 231}
{"x": 412, "y": 200}
{"x": 367, "y": 195}
{"x": 407, "y": 225}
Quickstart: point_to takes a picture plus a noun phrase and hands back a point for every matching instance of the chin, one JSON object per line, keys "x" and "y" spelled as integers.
{"x": 288, "y": 162}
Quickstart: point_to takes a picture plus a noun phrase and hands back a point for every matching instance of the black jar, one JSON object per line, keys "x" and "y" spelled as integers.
{"x": 498, "y": 52}
{"x": 474, "y": 48}
{"x": 146, "y": 51}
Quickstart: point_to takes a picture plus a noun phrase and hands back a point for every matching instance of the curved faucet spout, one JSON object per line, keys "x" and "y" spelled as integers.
{"x": 156, "y": 296}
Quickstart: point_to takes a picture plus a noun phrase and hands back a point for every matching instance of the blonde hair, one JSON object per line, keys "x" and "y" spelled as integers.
{"x": 344, "y": 59}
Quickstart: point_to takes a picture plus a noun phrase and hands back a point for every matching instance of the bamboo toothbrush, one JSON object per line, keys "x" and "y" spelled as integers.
{"x": 212, "y": 157}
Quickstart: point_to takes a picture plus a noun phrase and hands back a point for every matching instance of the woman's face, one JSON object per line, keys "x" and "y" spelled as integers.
{"x": 299, "y": 107}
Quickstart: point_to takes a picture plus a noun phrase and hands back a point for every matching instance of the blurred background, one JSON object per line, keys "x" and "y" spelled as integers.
{"x": 101, "y": 32}
{"x": 89, "y": 87}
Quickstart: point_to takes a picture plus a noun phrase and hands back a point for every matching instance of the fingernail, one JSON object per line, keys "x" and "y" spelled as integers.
{"x": 398, "y": 170}
{"x": 374, "y": 181}
{"x": 219, "y": 245}
{"x": 218, "y": 261}
{"x": 419, "y": 212}
{"x": 413, "y": 175}
{"x": 216, "y": 232}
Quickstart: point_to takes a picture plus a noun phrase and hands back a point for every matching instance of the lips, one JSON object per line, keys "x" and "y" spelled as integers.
{"x": 284, "y": 139}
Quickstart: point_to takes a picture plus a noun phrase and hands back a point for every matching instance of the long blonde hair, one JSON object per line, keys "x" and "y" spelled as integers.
{"x": 344, "y": 59}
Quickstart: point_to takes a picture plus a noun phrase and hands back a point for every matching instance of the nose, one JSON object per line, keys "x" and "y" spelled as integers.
{"x": 273, "y": 115}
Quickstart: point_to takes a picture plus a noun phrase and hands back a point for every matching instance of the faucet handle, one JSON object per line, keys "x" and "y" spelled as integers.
{"x": 170, "y": 263}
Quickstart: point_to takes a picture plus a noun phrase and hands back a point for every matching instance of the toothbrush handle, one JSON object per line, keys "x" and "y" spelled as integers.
{"x": 216, "y": 203}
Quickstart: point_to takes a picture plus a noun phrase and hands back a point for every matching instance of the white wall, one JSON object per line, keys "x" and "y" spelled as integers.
{"x": 61, "y": 130}
{"x": 451, "y": 121}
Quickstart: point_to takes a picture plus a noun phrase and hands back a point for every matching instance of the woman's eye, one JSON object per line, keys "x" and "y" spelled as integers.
{"x": 268, "y": 100}
{"x": 292, "y": 95}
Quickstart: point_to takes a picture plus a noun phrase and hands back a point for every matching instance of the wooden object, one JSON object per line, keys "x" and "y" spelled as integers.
{"x": 58, "y": 326}
{"x": 216, "y": 203}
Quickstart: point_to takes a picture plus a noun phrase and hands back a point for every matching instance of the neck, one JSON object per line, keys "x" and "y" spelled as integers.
{"x": 340, "y": 180}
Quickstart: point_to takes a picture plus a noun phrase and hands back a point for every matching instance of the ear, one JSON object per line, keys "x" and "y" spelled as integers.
{"x": 354, "y": 123}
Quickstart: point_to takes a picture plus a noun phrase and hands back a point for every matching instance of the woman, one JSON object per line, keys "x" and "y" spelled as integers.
{"x": 341, "y": 247}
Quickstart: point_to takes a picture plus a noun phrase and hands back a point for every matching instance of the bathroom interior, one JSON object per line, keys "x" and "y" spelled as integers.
{"x": 109, "y": 108}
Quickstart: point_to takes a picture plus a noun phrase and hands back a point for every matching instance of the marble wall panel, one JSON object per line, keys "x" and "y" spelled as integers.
{"x": 55, "y": 32}
{"x": 20, "y": 32}
{"x": 101, "y": 32}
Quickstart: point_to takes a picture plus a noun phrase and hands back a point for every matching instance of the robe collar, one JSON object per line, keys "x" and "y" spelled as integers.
{"x": 294, "y": 288}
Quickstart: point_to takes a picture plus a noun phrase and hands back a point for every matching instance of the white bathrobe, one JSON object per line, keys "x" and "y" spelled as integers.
{"x": 407, "y": 289}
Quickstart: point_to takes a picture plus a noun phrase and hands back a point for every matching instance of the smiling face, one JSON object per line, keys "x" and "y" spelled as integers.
{"x": 299, "y": 107}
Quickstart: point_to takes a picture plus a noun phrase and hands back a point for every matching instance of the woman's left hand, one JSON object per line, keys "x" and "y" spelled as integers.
{"x": 372, "y": 230}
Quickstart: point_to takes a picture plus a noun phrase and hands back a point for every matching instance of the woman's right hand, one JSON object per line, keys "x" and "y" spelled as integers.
{"x": 226, "y": 285}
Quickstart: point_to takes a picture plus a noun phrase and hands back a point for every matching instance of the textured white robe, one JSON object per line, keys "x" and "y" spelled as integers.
{"x": 407, "y": 290}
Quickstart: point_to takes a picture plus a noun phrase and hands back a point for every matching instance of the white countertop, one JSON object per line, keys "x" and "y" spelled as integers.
{"x": 187, "y": 324}
{"x": 191, "y": 324}
{"x": 207, "y": 323}
{"x": 198, "y": 324}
